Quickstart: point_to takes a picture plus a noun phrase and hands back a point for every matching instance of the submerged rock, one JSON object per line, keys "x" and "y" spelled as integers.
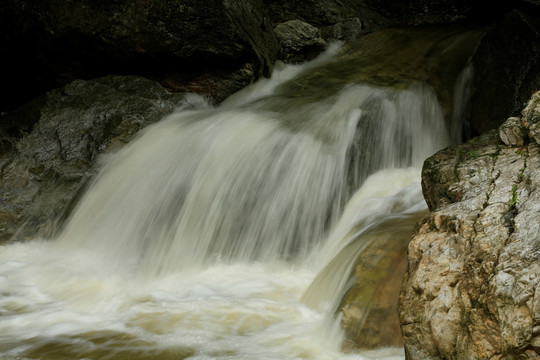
{"x": 471, "y": 287}
{"x": 369, "y": 306}
{"x": 400, "y": 57}
{"x": 49, "y": 147}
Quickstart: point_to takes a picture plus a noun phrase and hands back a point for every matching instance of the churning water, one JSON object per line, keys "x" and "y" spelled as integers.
{"x": 202, "y": 239}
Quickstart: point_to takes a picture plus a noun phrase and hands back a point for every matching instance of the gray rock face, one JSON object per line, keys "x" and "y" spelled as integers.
{"x": 342, "y": 20}
{"x": 516, "y": 131}
{"x": 531, "y": 118}
{"x": 50, "y": 159}
{"x": 511, "y": 132}
{"x": 299, "y": 41}
{"x": 470, "y": 290}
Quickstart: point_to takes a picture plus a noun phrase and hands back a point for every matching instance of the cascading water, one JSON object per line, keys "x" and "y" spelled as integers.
{"x": 238, "y": 183}
{"x": 199, "y": 239}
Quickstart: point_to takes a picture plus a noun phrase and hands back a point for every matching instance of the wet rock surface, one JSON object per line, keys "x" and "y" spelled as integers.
{"x": 471, "y": 287}
{"x": 49, "y": 148}
{"x": 369, "y": 316}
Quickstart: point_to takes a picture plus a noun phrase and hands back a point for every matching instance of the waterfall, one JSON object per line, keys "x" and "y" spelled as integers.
{"x": 230, "y": 231}
{"x": 250, "y": 180}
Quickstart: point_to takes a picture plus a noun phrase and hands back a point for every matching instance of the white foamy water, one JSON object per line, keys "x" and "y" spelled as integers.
{"x": 257, "y": 180}
{"x": 68, "y": 304}
{"x": 200, "y": 239}
{"x": 383, "y": 210}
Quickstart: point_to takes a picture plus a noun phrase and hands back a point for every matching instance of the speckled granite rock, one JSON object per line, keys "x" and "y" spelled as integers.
{"x": 470, "y": 290}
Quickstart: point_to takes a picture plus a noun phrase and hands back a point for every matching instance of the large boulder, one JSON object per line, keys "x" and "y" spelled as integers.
{"x": 369, "y": 317}
{"x": 49, "y": 147}
{"x": 342, "y": 20}
{"x": 49, "y": 43}
{"x": 470, "y": 290}
{"x": 299, "y": 41}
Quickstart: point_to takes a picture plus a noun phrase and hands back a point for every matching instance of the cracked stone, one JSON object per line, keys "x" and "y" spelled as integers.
{"x": 50, "y": 163}
{"x": 484, "y": 242}
{"x": 512, "y": 133}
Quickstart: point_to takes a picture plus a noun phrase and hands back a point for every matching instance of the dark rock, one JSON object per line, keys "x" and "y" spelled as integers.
{"x": 318, "y": 13}
{"x": 415, "y": 12}
{"x": 336, "y": 19}
{"x": 216, "y": 85}
{"x": 377, "y": 13}
{"x": 49, "y": 43}
{"x": 54, "y": 151}
{"x": 345, "y": 30}
{"x": 299, "y": 41}
{"x": 422, "y": 11}
{"x": 507, "y": 71}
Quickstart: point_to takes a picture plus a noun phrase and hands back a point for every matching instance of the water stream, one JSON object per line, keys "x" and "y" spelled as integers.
{"x": 233, "y": 232}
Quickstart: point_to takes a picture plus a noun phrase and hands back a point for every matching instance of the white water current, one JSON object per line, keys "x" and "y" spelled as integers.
{"x": 200, "y": 239}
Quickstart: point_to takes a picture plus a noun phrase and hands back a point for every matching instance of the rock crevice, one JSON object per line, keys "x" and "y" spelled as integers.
{"x": 477, "y": 255}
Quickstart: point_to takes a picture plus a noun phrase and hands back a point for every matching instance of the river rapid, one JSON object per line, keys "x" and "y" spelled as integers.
{"x": 220, "y": 232}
